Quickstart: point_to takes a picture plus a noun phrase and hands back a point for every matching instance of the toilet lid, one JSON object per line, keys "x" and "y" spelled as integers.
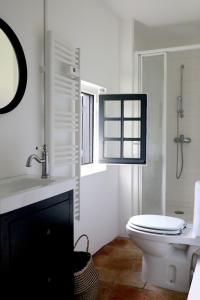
{"x": 156, "y": 231}
{"x": 157, "y": 224}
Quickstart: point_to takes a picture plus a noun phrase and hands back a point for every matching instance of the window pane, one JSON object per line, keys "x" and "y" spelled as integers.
{"x": 112, "y": 129}
{"x": 131, "y": 149}
{"x": 87, "y": 102}
{"x": 112, "y": 149}
{"x": 132, "y": 109}
{"x": 122, "y": 122}
{"x": 112, "y": 109}
{"x": 132, "y": 129}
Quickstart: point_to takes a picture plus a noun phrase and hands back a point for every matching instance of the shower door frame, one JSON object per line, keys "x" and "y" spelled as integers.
{"x": 138, "y": 59}
{"x": 138, "y": 86}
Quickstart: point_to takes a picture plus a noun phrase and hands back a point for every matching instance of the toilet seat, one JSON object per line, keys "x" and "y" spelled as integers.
{"x": 157, "y": 224}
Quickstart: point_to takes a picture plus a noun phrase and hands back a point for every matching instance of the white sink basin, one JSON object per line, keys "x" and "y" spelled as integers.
{"x": 19, "y": 191}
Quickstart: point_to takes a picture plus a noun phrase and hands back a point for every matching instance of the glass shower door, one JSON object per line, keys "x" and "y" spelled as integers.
{"x": 152, "y": 83}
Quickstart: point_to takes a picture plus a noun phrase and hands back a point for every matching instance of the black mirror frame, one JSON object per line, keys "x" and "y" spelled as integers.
{"x": 22, "y": 67}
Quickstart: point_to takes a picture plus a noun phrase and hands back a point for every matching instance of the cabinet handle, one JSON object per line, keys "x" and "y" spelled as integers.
{"x": 48, "y": 232}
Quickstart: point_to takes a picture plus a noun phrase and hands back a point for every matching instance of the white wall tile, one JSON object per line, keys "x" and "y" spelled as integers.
{"x": 180, "y": 193}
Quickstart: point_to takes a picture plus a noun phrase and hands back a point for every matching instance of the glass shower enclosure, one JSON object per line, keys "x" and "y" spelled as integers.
{"x": 158, "y": 75}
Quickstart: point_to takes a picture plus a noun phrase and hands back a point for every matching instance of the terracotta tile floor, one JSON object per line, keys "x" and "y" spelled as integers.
{"x": 119, "y": 265}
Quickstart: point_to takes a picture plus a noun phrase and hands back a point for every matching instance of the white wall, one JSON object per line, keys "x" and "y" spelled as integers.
{"x": 89, "y": 25}
{"x": 128, "y": 174}
{"x": 99, "y": 208}
{"x": 156, "y": 37}
{"x": 22, "y": 129}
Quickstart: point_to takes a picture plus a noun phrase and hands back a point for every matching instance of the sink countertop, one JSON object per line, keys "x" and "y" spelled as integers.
{"x": 23, "y": 190}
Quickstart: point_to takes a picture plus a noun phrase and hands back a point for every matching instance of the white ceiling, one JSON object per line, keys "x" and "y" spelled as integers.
{"x": 157, "y": 12}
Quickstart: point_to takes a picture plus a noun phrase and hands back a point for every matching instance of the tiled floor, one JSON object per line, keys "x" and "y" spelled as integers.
{"x": 119, "y": 266}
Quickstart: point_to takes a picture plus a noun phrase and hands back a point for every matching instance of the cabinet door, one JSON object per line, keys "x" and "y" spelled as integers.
{"x": 40, "y": 250}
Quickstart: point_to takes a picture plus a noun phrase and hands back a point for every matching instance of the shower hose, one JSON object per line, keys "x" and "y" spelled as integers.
{"x": 179, "y": 151}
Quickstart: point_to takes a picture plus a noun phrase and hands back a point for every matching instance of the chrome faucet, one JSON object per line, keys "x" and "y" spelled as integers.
{"x": 43, "y": 161}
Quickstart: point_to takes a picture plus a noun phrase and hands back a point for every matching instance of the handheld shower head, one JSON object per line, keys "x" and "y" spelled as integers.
{"x": 180, "y": 111}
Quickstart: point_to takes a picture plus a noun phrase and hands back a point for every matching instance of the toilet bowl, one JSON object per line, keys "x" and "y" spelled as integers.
{"x": 168, "y": 246}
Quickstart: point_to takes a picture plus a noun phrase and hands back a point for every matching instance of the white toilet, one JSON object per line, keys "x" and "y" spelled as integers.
{"x": 168, "y": 246}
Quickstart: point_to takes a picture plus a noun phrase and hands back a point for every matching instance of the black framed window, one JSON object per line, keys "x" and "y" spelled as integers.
{"x": 122, "y": 124}
{"x": 87, "y": 137}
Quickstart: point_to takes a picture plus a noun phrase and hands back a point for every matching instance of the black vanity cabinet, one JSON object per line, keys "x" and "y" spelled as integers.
{"x": 36, "y": 250}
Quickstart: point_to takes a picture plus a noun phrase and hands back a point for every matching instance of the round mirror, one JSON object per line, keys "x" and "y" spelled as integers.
{"x": 13, "y": 70}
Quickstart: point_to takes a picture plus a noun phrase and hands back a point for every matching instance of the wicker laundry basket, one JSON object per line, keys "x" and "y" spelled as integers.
{"x": 86, "y": 277}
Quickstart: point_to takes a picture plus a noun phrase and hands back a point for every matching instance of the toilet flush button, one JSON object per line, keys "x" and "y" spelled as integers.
{"x": 172, "y": 274}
